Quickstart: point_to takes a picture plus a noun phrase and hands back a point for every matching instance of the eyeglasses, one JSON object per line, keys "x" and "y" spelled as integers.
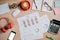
{"x": 49, "y": 7}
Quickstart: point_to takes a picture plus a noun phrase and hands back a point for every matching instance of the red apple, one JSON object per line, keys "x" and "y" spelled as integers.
{"x": 24, "y": 5}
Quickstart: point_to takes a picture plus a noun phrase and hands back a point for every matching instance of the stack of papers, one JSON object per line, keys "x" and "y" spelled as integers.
{"x": 4, "y": 8}
{"x": 32, "y": 26}
{"x": 28, "y": 26}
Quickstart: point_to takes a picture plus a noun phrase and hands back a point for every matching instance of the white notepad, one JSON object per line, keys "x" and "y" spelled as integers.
{"x": 4, "y": 8}
{"x": 29, "y": 27}
{"x": 16, "y": 12}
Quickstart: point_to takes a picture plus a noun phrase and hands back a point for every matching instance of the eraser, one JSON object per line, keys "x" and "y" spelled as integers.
{"x": 16, "y": 12}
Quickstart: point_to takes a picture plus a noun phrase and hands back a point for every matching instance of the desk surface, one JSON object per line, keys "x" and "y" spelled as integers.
{"x": 4, "y": 36}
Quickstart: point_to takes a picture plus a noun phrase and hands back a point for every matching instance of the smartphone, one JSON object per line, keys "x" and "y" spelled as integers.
{"x": 11, "y": 35}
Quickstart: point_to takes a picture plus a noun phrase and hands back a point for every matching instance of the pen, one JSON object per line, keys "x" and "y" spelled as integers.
{"x": 35, "y": 4}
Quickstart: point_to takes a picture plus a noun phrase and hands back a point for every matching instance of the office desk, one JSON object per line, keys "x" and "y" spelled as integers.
{"x": 4, "y": 36}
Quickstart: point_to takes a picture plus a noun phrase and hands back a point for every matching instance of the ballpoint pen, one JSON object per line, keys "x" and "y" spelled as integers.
{"x": 35, "y": 4}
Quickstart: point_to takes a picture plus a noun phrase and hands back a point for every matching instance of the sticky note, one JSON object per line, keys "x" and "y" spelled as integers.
{"x": 57, "y": 4}
{"x": 57, "y": 10}
{"x": 16, "y": 12}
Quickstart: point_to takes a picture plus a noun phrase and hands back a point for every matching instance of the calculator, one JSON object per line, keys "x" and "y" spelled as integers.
{"x": 54, "y": 26}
